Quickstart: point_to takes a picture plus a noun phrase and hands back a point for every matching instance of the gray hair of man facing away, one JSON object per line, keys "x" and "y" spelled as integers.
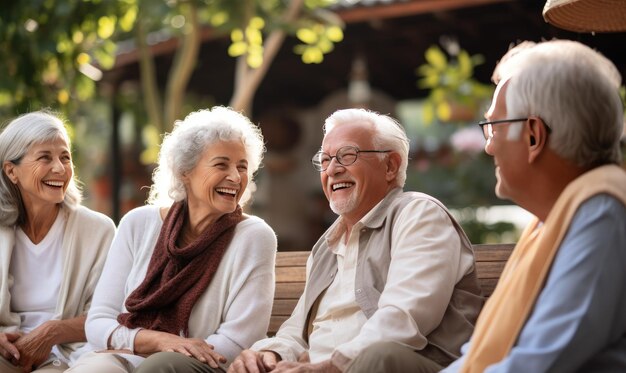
{"x": 575, "y": 90}
{"x": 389, "y": 134}
{"x": 183, "y": 147}
{"x": 15, "y": 140}
{"x": 513, "y": 50}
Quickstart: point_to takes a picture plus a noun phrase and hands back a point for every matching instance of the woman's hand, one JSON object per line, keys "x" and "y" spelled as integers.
{"x": 149, "y": 341}
{"x": 35, "y": 347}
{"x": 7, "y": 346}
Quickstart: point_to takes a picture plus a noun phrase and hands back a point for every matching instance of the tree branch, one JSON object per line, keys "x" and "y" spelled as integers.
{"x": 183, "y": 66}
{"x": 147, "y": 71}
{"x": 244, "y": 92}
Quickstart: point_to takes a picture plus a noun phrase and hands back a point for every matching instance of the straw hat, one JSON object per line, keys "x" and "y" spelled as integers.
{"x": 586, "y": 15}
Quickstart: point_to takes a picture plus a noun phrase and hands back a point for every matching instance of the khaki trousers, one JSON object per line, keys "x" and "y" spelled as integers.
{"x": 173, "y": 362}
{"x": 7, "y": 367}
{"x": 101, "y": 362}
{"x": 391, "y": 357}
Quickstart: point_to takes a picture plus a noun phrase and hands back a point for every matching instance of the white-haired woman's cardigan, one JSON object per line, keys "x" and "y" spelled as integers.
{"x": 232, "y": 313}
{"x": 86, "y": 240}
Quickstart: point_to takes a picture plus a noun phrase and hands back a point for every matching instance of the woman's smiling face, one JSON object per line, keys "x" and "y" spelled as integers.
{"x": 43, "y": 174}
{"x": 215, "y": 185}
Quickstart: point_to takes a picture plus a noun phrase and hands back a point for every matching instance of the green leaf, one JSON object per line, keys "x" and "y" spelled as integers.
{"x": 334, "y": 34}
{"x": 78, "y": 37}
{"x": 106, "y": 26}
{"x": 105, "y": 60}
{"x": 127, "y": 21}
{"x": 236, "y": 35}
{"x": 254, "y": 60}
{"x": 85, "y": 88}
{"x": 438, "y": 94}
{"x": 436, "y": 58}
{"x": 325, "y": 45}
{"x": 466, "y": 67}
{"x": 444, "y": 111}
{"x": 257, "y": 23}
{"x": 478, "y": 59}
{"x": 219, "y": 18}
{"x": 300, "y": 49}
{"x": 428, "y": 82}
{"x": 307, "y": 35}
{"x": 151, "y": 139}
{"x": 312, "y": 4}
{"x": 254, "y": 36}
{"x": 312, "y": 55}
{"x": 426, "y": 70}
{"x": 255, "y": 49}
{"x": 428, "y": 112}
{"x": 237, "y": 49}
{"x": 6, "y": 98}
{"x": 63, "y": 96}
{"x": 82, "y": 58}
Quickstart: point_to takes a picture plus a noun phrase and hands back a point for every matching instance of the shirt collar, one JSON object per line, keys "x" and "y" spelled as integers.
{"x": 374, "y": 218}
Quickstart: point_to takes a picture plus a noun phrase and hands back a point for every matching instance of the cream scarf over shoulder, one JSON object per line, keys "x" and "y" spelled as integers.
{"x": 524, "y": 275}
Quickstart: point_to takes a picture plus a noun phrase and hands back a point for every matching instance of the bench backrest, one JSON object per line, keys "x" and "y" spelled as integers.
{"x": 290, "y": 277}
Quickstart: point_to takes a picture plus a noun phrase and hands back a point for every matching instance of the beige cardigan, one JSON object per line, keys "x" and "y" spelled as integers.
{"x": 86, "y": 241}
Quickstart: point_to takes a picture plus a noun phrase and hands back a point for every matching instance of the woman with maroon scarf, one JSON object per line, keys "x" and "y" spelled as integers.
{"x": 189, "y": 279}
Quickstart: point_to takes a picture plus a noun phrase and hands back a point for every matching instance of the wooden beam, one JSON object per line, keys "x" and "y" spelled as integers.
{"x": 164, "y": 47}
{"x": 348, "y": 15}
{"x": 402, "y": 9}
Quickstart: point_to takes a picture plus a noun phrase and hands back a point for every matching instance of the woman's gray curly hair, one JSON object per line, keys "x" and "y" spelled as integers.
{"x": 183, "y": 147}
{"x": 15, "y": 140}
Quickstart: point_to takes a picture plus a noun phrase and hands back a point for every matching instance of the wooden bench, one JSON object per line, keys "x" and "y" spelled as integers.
{"x": 290, "y": 277}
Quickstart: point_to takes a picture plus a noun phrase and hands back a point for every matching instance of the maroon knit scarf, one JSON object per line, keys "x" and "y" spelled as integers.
{"x": 177, "y": 277}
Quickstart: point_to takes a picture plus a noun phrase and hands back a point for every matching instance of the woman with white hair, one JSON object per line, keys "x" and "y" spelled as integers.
{"x": 189, "y": 280}
{"x": 52, "y": 249}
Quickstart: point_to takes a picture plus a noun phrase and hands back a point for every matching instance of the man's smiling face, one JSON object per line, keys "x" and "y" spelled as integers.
{"x": 355, "y": 189}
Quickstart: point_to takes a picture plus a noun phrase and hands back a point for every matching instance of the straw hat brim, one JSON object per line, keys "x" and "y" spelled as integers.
{"x": 586, "y": 15}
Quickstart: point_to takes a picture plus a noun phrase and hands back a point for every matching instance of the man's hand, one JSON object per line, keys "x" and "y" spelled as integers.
{"x": 7, "y": 346}
{"x": 298, "y": 367}
{"x": 254, "y": 362}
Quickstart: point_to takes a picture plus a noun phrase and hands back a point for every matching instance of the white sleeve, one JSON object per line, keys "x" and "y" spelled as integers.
{"x": 123, "y": 338}
{"x": 246, "y": 315}
{"x": 425, "y": 266}
{"x": 109, "y": 296}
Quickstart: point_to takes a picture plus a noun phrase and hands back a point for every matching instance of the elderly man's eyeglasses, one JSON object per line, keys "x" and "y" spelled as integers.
{"x": 487, "y": 126}
{"x": 346, "y": 155}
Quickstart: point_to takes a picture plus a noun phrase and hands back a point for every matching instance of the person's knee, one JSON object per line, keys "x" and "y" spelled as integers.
{"x": 374, "y": 357}
{"x": 385, "y": 350}
{"x": 160, "y": 362}
{"x": 386, "y": 357}
{"x": 100, "y": 362}
{"x": 171, "y": 362}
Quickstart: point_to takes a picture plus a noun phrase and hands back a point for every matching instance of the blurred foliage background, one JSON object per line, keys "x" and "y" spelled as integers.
{"x": 54, "y": 54}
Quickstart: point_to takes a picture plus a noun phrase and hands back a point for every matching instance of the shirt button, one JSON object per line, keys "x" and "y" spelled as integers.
{"x": 358, "y": 291}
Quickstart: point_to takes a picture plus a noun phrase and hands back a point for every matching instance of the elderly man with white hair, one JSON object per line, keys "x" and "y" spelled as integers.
{"x": 394, "y": 270}
{"x": 554, "y": 129}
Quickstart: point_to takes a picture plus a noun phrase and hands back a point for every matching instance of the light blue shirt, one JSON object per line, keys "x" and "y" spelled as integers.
{"x": 579, "y": 320}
